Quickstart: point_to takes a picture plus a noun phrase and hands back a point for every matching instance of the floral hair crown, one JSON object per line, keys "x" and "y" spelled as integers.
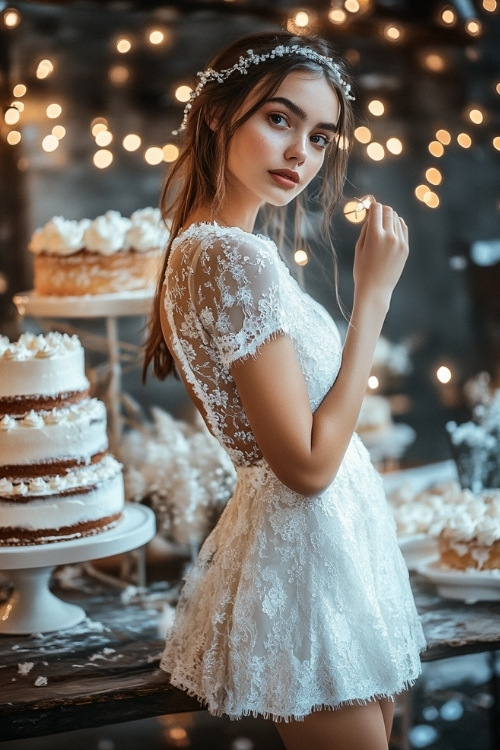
{"x": 253, "y": 58}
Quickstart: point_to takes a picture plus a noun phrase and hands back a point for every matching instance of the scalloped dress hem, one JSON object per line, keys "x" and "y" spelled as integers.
{"x": 294, "y": 716}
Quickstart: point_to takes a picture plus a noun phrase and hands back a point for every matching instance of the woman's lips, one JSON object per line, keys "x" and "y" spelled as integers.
{"x": 285, "y": 177}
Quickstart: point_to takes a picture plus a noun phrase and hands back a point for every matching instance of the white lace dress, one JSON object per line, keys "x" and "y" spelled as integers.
{"x": 295, "y": 603}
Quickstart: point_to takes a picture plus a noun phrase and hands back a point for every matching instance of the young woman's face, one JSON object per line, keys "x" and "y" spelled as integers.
{"x": 276, "y": 153}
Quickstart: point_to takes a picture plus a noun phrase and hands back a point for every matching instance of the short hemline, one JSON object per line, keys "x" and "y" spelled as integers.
{"x": 293, "y": 716}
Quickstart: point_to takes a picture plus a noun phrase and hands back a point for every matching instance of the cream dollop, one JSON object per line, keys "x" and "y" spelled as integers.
{"x": 59, "y": 236}
{"x": 107, "y": 234}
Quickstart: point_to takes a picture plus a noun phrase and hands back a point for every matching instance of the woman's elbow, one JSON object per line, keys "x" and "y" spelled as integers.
{"x": 308, "y": 483}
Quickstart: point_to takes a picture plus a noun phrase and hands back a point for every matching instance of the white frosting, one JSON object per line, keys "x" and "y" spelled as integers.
{"x": 59, "y": 236}
{"x": 83, "y": 476}
{"x": 76, "y": 432}
{"x": 461, "y": 515}
{"x": 106, "y": 234}
{"x": 41, "y": 365}
{"x": 148, "y": 232}
{"x": 104, "y": 499}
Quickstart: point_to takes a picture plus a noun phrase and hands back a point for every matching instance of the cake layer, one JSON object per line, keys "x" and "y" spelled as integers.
{"x": 81, "y": 503}
{"x": 77, "y": 432}
{"x": 45, "y": 366}
{"x": 92, "y": 273}
{"x": 467, "y": 555}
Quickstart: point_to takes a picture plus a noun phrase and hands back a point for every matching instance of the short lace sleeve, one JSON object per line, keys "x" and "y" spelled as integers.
{"x": 238, "y": 293}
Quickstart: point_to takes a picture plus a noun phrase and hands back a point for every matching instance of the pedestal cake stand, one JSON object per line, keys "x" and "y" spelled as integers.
{"x": 33, "y": 608}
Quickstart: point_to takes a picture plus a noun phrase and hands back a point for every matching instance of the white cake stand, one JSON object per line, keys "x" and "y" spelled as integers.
{"x": 33, "y": 608}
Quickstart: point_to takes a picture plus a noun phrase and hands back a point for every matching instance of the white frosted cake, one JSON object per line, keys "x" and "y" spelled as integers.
{"x": 106, "y": 255}
{"x": 57, "y": 480}
{"x": 470, "y": 538}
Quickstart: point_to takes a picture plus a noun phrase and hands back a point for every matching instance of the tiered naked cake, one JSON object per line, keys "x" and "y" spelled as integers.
{"x": 108, "y": 255}
{"x": 57, "y": 480}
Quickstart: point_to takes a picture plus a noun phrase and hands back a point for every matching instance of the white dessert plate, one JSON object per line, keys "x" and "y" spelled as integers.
{"x": 418, "y": 549}
{"x": 86, "y": 306}
{"x": 469, "y": 586}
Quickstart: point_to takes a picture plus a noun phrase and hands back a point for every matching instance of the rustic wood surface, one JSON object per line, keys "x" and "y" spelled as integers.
{"x": 106, "y": 669}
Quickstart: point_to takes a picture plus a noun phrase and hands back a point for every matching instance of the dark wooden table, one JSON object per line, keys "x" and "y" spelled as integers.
{"x": 106, "y": 670}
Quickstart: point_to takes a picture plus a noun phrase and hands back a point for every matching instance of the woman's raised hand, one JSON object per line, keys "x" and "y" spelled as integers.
{"x": 380, "y": 254}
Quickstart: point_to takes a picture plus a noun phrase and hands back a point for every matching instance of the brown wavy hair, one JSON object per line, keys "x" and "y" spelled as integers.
{"x": 198, "y": 177}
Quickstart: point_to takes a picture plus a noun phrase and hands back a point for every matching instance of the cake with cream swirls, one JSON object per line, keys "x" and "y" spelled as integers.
{"x": 106, "y": 255}
{"x": 470, "y": 538}
{"x": 57, "y": 479}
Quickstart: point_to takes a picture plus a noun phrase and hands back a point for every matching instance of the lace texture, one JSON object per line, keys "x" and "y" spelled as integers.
{"x": 294, "y": 603}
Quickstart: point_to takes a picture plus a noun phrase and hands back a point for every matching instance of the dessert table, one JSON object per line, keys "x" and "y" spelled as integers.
{"x": 105, "y": 669}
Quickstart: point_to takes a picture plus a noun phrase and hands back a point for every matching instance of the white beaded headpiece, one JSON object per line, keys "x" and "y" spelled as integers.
{"x": 253, "y": 58}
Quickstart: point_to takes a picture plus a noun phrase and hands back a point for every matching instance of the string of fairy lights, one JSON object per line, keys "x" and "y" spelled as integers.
{"x": 300, "y": 21}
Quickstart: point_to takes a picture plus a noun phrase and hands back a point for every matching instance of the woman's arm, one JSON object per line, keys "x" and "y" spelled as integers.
{"x": 304, "y": 449}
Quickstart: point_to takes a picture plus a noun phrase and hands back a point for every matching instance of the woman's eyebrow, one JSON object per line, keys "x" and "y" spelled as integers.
{"x": 299, "y": 112}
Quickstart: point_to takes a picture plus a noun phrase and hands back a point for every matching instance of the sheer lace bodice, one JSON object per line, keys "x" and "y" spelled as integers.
{"x": 294, "y": 603}
{"x": 226, "y": 293}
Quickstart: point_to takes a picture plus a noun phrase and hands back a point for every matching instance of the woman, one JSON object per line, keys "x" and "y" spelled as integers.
{"x": 299, "y": 606}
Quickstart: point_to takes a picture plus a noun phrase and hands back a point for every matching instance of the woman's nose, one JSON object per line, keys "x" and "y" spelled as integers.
{"x": 297, "y": 149}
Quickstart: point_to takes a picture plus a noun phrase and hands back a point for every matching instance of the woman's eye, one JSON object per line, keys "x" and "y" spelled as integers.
{"x": 277, "y": 119}
{"x": 320, "y": 140}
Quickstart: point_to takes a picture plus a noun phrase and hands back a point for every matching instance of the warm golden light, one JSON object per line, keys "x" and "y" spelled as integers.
{"x": 301, "y": 19}
{"x": 119, "y": 74}
{"x": 11, "y": 18}
{"x": 435, "y": 62}
{"x": 375, "y": 151}
{"x": 394, "y": 145}
{"x": 448, "y": 17}
{"x": 443, "y": 374}
{"x": 44, "y": 69}
{"x": 131, "y": 142}
{"x": 13, "y": 137}
{"x": 170, "y": 152}
{"x": 59, "y": 132}
{"x": 392, "y": 33}
{"x": 153, "y": 155}
{"x": 102, "y": 158}
{"x": 376, "y": 107}
{"x": 50, "y": 143}
{"x": 373, "y": 382}
{"x": 473, "y": 27}
{"x": 156, "y": 36}
{"x": 355, "y": 211}
{"x": 421, "y": 191}
{"x": 464, "y": 140}
{"x": 19, "y": 90}
{"x": 433, "y": 176}
{"x": 352, "y": 6}
{"x": 182, "y": 93}
{"x": 476, "y": 116}
{"x": 496, "y": 142}
{"x": 497, "y": 88}
{"x": 18, "y": 105}
{"x": 431, "y": 199}
{"x": 123, "y": 45}
{"x": 98, "y": 124}
{"x": 301, "y": 258}
{"x": 12, "y": 116}
{"x": 363, "y": 134}
{"x": 103, "y": 138}
{"x": 342, "y": 142}
{"x": 53, "y": 111}
{"x": 490, "y": 5}
{"x": 444, "y": 137}
{"x": 436, "y": 148}
{"x": 337, "y": 16}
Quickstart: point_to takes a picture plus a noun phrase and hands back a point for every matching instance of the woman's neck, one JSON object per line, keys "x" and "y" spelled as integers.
{"x": 226, "y": 218}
